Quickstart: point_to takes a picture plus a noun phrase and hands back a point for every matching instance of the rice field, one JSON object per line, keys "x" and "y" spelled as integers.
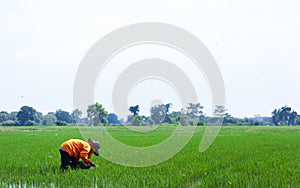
{"x": 239, "y": 157}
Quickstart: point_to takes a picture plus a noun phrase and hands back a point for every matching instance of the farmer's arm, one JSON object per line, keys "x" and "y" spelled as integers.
{"x": 90, "y": 155}
{"x": 83, "y": 155}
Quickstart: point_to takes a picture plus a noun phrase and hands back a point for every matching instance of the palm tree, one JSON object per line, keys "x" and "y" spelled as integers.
{"x": 292, "y": 118}
{"x": 134, "y": 110}
{"x": 276, "y": 117}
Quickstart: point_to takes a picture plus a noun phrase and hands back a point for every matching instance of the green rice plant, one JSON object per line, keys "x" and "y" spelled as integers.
{"x": 239, "y": 157}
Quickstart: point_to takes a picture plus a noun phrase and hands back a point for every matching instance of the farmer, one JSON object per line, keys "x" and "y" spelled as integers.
{"x": 72, "y": 150}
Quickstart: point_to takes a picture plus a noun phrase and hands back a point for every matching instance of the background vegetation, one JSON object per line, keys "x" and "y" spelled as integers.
{"x": 160, "y": 114}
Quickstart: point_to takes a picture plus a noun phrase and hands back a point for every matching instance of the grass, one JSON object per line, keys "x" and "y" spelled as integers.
{"x": 239, "y": 157}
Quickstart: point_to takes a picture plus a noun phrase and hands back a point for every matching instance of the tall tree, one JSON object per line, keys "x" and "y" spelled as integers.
{"x": 168, "y": 118}
{"x": 195, "y": 113}
{"x": 284, "y": 116}
{"x": 49, "y": 119}
{"x": 185, "y": 119}
{"x": 158, "y": 113}
{"x": 76, "y": 114}
{"x": 27, "y": 115}
{"x": 97, "y": 114}
{"x": 194, "y": 110}
{"x": 113, "y": 119}
{"x": 220, "y": 111}
{"x": 4, "y": 116}
{"x": 276, "y": 117}
{"x": 63, "y": 116}
{"x": 292, "y": 118}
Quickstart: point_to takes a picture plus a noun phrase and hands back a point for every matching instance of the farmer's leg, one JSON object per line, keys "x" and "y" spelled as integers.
{"x": 65, "y": 159}
{"x": 73, "y": 163}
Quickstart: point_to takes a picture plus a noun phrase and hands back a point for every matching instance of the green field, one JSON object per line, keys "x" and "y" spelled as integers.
{"x": 239, "y": 157}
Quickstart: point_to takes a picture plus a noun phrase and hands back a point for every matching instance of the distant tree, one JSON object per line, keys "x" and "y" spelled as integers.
{"x": 185, "y": 119}
{"x": 10, "y": 123}
{"x": 60, "y": 123}
{"x": 13, "y": 116}
{"x": 284, "y": 116}
{"x": 220, "y": 111}
{"x": 146, "y": 120}
{"x": 168, "y": 118}
{"x": 113, "y": 119}
{"x": 31, "y": 123}
{"x": 62, "y": 115}
{"x": 194, "y": 110}
{"x": 195, "y": 113}
{"x": 217, "y": 117}
{"x": 97, "y": 114}
{"x": 129, "y": 119}
{"x": 84, "y": 121}
{"x": 134, "y": 110}
{"x": 4, "y": 116}
{"x": 149, "y": 121}
{"x": 174, "y": 117}
{"x": 26, "y": 114}
{"x": 168, "y": 106}
{"x": 76, "y": 114}
{"x": 39, "y": 117}
{"x": 158, "y": 113}
{"x": 276, "y": 117}
{"x": 136, "y": 120}
{"x": 49, "y": 119}
{"x": 297, "y": 121}
{"x": 9, "y": 119}
{"x": 292, "y": 119}
{"x": 229, "y": 120}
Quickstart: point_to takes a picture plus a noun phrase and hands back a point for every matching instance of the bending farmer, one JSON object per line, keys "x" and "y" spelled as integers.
{"x": 72, "y": 150}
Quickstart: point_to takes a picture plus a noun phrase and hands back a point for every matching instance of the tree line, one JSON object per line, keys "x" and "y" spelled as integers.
{"x": 160, "y": 114}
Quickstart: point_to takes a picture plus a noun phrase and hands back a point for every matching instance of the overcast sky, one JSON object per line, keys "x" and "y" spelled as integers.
{"x": 255, "y": 43}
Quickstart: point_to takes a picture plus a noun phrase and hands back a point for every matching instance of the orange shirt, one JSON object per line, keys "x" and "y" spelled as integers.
{"x": 78, "y": 149}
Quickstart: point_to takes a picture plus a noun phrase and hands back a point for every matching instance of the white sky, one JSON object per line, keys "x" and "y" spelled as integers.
{"x": 255, "y": 43}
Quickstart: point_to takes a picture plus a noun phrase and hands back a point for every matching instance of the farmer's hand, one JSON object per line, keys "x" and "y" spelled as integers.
{"x": 93, "y": 164}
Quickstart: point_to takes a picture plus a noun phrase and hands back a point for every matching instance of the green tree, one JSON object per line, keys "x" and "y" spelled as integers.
{"x": 62, "y": 115}
{"x": 4, "y": 116}
{"x": 217, "y": 118}
{"x": 136, "y": 120}
{"x": 292, "y": 118}
{"x": 27, "y": 114}
{"x": 174, "y": 117}
{"x": 220, "y": 111}
{"x": 49, "y": 119}
{"x": 284, "y": 116}
{"x": 194, "y": 110}
{"x": 276, "y": 117}
{"x": 113, "y": 119}
{"x": 158, "y": 113}
{"x": 9, "y": 119}
{"x": 229, "y": 120}
{"x": 185, "y": 119}
{"x": 168, "y": 118}
{"x": 97, "y": 114}
{"x": 13, "y": 116}
{"x": 10, "y": 123}
{"x": 297, "y": 121}
{"x": 195, "y": 113}
{"x": 76, "y": 115}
